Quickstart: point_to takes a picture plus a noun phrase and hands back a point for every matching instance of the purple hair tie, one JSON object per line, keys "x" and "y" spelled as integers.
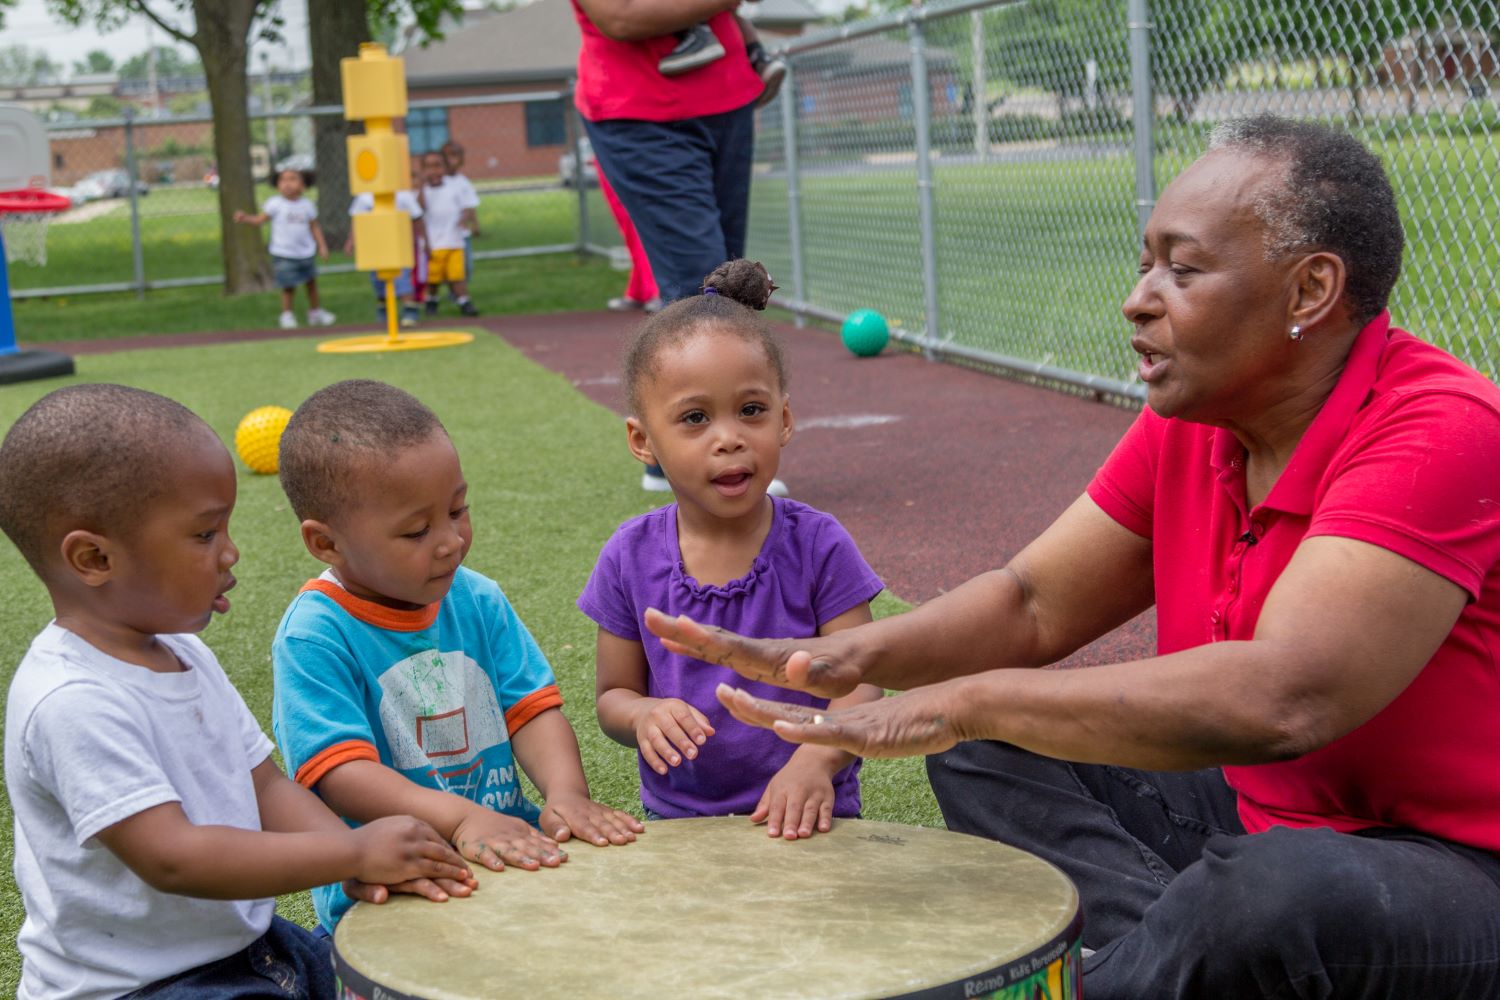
{"x": 710, "y": 290}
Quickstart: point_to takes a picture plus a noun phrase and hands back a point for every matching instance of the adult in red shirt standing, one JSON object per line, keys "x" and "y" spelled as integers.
{"x": 676, "y": 149}
{"x": 1299, "y": 796}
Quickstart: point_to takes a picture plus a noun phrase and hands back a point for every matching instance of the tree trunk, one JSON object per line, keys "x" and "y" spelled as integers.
{"x": 223, "y": 27}
{"x": 334, "y": 29}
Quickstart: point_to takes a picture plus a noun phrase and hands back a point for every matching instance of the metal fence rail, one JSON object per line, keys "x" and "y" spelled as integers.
{"x": 146, "y": 213}
{"x": 980, "y": 170}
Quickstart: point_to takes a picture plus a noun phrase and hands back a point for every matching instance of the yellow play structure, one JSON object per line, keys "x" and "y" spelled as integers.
{"x": 380, "y": 165}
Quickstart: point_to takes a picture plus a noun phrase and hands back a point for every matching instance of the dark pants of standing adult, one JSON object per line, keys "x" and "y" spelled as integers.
{"x": 1180, "y": 902}
{"x": 686, "y": 186}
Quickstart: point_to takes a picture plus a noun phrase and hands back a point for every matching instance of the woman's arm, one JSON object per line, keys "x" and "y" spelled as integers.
{"x": 1085, "y": 575}
{"x": 1344, "y": 630}
{"x": 632, "y": 20}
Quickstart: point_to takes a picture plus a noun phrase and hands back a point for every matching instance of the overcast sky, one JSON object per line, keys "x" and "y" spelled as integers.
{"x": 29, "y": 23}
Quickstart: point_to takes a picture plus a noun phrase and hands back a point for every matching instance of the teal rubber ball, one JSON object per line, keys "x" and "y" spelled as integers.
{"x": 865, "y": 332}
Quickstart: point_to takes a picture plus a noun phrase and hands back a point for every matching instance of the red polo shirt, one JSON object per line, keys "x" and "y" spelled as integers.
{"x": 620, "y": 79}
{"x": 1405, "y": 454}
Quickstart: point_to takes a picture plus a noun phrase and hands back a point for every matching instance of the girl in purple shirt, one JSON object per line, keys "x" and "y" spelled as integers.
{"x": 706, "y": 386}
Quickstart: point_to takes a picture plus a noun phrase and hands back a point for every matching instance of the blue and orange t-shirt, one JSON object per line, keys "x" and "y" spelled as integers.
{"x": 434, "y": 693}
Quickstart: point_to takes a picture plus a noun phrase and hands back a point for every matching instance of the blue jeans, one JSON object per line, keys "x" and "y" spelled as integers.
{"x": 285, "y": 962}
{"x": 1180, "y": 902}
{"x": 685, "y": 185}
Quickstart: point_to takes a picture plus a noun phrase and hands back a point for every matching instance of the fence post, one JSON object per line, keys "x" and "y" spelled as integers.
{"x": 580, "y": 183}
{"x": 1143, "y": 112}
{"x": 921, "y": 100}
{"x": 793, "y": 190}
{"x": 137, "y": 253}
{"x": 979, "y": 103}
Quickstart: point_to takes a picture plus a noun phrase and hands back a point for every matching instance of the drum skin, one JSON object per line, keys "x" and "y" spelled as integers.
{"x": 715, "y": 908}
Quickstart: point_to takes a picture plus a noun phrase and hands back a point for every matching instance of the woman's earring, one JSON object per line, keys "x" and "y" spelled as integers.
{"x": 1296, "y": 331}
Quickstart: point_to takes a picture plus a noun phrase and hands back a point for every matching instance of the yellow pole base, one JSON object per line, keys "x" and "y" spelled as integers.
{"x": 374, "y": 342}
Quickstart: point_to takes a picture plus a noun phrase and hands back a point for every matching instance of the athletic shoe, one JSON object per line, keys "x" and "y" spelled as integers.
{"x": 432, "y": 305}
{"x": 655, "y": 484}
{"x": 698, "y": 47}
{"x": 410, "y": 315}
{"x": 320, "y": 317}
{"x": 654, "y": 305}
{"x": 621, "y": 304}
{"x": 771, "y": 73}
{"x": 288, "y": 320}
{"x": 468, "y": 308}
{"x": 778, "y": 489}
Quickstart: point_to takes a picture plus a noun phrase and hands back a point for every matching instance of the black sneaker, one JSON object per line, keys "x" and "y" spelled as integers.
{"x": 432, "y": 305}
{"x": 697, "y": 46}
{"x": 772, "y": 72}
{"x": 468, "y": 308}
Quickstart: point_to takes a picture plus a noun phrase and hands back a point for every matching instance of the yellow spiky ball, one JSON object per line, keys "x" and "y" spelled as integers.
{"x": 258, "y": 437}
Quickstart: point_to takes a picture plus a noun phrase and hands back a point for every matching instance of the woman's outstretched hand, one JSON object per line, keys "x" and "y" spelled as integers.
{"x": 905, "y": 725}
{"x": 787, "y": 663}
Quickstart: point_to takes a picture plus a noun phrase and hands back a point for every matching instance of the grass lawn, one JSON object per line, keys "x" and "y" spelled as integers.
{"x": 549, "y": 480}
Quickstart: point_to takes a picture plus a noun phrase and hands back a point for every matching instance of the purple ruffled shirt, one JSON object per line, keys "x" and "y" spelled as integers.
{"x": 808, "y": 572}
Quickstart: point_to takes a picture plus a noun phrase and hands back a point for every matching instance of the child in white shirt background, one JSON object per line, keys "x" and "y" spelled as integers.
{"x": 296, "y": 242}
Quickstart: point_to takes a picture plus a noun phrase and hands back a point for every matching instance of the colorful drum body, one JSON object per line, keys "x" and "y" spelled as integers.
{"x": 715, "y": 908}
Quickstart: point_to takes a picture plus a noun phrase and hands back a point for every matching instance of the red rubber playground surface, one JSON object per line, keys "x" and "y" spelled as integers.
{"x": 939, "y": 472}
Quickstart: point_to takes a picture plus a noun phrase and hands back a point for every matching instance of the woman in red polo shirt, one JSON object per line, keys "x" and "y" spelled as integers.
{"x": 1300, "y": 795}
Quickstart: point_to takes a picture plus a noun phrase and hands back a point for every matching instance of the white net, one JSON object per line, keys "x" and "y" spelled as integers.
{"x": 25, "y": 235}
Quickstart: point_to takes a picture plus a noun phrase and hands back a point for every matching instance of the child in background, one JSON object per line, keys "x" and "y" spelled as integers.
{"x": 468, "y": 198}
{"x": 296, "y": 239}
{"x": 404, "y": 681}
{"x": 152, "y": 826}
{"x": 411, "y": 310}
{"x": 446, "y": 216}
{"x": 706, "y": 386}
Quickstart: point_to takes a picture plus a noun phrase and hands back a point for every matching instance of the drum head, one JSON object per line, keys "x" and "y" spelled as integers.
{"x": 715, "y": 908}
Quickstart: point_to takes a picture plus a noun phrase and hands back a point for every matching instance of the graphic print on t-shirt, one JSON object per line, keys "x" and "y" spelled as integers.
{"x": 441, "y": 719}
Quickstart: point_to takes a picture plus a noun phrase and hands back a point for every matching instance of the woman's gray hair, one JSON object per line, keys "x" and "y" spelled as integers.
{"x": 1334, "y": 196}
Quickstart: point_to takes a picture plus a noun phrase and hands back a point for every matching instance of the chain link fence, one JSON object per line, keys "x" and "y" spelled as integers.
{"x": 146, "y": 204}
{"x": 979, "y": 171}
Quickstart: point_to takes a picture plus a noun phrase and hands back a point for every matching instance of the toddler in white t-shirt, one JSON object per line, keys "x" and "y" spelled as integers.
{"x": 448, "y": 216}
{"x": 296, "y": 242}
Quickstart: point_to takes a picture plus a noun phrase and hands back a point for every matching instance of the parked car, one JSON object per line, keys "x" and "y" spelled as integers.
{"x": 567, "y": 169}
{"x": 108, "y": 184}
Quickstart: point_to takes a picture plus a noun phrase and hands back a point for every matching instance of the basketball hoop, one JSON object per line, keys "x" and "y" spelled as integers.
{"x": 24, "y": 215}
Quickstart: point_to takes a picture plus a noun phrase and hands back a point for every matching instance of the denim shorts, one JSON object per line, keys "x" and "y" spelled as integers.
{"x": 293, "y": 271}
{"x": 286, "y": 961}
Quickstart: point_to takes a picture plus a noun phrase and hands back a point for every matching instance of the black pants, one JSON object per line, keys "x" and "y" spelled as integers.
{"x": 1180, "y": 902}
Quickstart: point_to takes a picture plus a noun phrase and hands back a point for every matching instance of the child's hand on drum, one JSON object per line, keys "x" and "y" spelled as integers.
{"x": 496, "y": 840}
{"x": 669, "y": 730}
{"x": 799, "y": 799}
{"x": 398, "y": 849}
{"x": 572, "y": 815}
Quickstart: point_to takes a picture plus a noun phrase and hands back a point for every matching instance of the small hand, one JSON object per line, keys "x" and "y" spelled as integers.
{"x": 783, "y": 662}
{"x": 399, "y": 848}
{"x": 240, "y": 215}
{"x": 798, "y": 800}
{"x": 669, "y": 731}
{"x": 917, "y": 722}
{"x": 495, "y": 840}
{"x": 577, "y": 816}
{"x": 438, "y": 890}
{"x": 323, "y": 254}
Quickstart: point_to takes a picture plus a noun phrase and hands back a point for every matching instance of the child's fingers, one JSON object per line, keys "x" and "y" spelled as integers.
{"x": 365, "y": 892}
{"x": 809, "y": 821}
{"x": 672, "y": 728}
{"x": 424, "y": 887}
{"x": 791, "y": 815}
{"x": 482, "y": 853}
{"x": 775, "y": 813}
{"x": 694, "y": 723}
{"x": 825, "y": 815}
{"x": 762, "y": 808}
{"x": 667, "y": 753}
{"x": 649, "y": 753}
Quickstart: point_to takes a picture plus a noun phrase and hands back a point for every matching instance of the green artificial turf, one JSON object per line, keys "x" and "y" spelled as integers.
{"x": 549, "y": 480}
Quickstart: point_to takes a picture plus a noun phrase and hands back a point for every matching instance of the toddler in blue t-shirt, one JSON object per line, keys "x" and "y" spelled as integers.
{"x": 706, "y": 386}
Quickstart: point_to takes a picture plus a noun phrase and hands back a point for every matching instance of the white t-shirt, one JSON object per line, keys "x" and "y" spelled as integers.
{"x": 406, "y": 201}
{"x": 291, "y": 222}
{"x": 445, "y": 204}
{"x": 89, "y": 741}
{"x": 467, "y": 196}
